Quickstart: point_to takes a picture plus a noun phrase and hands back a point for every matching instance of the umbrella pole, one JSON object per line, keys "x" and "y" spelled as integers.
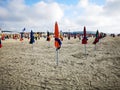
{"x": 32, "y": 46}
{"x": 49, "y": 44}
{"x": 32, "y": 50}
{"x": 85, "y": 50}
{"x": 95, "y": 47}
{"x": 57, "y": 57}
{"x": 100, "y": 43}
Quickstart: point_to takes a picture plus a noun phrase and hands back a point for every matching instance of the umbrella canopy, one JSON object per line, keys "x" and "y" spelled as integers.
{"x": 0, "y": 43}
{"x": 84, "y": 40}
{"x": 84, "y": 31}
{"x": 31, "y": 37}
{"x": 96, "y": 38}
{"x": 97, "y": 34}
{"x": 48, "y": 36}
{"x": 56, "y": 35}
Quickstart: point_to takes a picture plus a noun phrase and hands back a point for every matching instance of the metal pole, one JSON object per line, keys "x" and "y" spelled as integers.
{"x": 100, "y": 42}
{"x": 85, "y": 50}
{"x": 95, "y": 46}
{"x": 57, "y": 57}
{"x": 49, "y": 44}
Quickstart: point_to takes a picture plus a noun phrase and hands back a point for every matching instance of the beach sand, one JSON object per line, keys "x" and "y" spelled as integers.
{"x": 33, "y": 67}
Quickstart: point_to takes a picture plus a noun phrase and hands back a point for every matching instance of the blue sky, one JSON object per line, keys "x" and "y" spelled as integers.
{"x": 99, "y": 2}
{"x": 31, "y": 2}
{"x": 40, "y": 15}
{"x": 67, "y": 2}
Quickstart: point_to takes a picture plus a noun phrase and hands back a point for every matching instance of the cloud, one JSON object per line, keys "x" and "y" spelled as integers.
{"x": 18, "y": 15}
{"x": 111, "y": 8}
{"x": 50, "y": 11}
{"x": 3, "y": 13}
{"x": 106, "y": 17}
{"x": 41, "y": 16}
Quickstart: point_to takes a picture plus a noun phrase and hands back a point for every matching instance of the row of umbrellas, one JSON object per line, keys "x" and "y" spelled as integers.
{"x": 58, "y": 41}
{"x": 57, "y": 37}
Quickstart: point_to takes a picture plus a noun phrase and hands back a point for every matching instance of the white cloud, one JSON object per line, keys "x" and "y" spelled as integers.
{"x": 112, "y": 7}
{"x": 106, "y": 18}
{"x": 50, "y": 11}
{"x": 3, "y": 13}
{"x": 42, "y": 15}
{"x": 83, "y": 3}
{"x": 18, "y": 15}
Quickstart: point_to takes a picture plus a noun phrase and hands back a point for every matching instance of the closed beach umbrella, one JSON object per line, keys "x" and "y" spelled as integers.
{"x": 84, "y": 40}
{"x": 31, "y": 37}
{"x": 48, "y": 36}
{"x": 0, "y": 38}
{"x": 57, "y": 41}
{"x": 56, "y": 35}
{"x": 96, "y": 38}
{"x": 0, "y": 43}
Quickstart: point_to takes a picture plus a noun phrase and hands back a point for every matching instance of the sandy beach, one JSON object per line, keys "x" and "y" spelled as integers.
{"x": 24, "y": 66}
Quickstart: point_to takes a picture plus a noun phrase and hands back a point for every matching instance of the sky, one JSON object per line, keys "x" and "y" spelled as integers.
{"x": 71, "y": 15}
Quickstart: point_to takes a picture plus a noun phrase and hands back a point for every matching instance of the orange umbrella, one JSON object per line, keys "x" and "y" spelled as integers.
{"x": 56, "y": 35}
{"x": 57, "y": 41}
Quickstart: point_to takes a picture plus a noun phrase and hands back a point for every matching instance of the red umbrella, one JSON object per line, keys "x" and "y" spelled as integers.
{"x": 84, "y": 40}
{"x": 96, "y": 38}
{"x": 84, "y": 31}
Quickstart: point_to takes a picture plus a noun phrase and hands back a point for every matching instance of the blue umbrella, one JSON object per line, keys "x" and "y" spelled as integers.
{"x": 0, "y": 43}
{"x": 31, "y": 37}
